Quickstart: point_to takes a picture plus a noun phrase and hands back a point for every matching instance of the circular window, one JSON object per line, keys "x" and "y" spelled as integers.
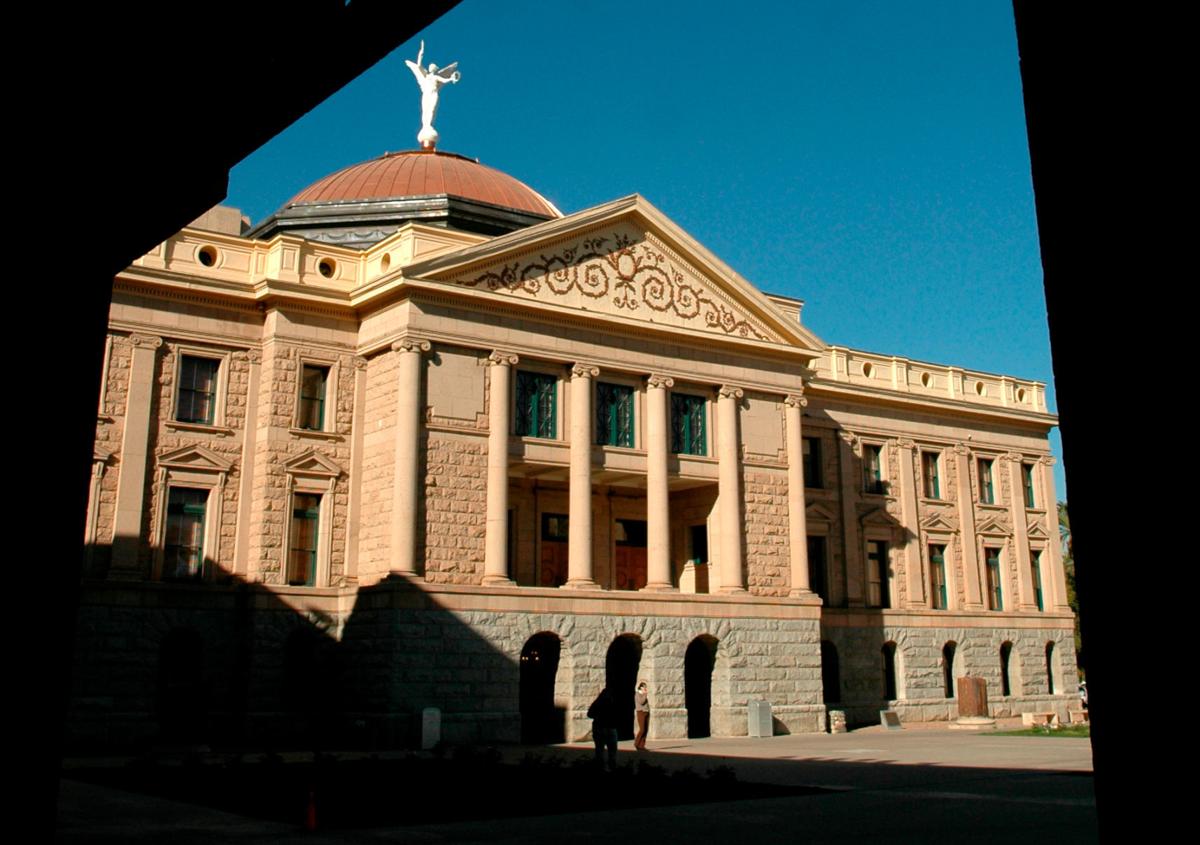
{"x": 868, "y": 369}
{"x": 385, "y": 262}
{"x": 980, "y": 388}
{"x": 926, "y": 379}
{"x": 207, "y": 255}
{"x": 326, "y": 267}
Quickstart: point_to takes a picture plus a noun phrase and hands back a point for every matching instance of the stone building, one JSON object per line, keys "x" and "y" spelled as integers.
{"x": 420, "y": 440}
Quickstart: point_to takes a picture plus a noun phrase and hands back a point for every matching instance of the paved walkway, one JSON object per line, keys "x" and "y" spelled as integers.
{"x": 922, "y": 784}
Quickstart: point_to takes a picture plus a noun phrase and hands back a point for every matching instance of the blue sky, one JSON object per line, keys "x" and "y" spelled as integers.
{"x": 868, "y": 157}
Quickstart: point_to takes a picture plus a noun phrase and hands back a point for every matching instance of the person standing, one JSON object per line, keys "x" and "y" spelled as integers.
{"x": 641, "y": 705}
{"x": 603, "y": 714}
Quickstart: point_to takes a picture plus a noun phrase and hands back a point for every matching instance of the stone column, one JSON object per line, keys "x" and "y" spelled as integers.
{"x": 1056, "y": 578}
{"x": 851, "y": 479}
{"x": 729, "y": 470}
{"x": 354, "y": 507}
{"x": 914, "y": 576}
{"x": 406, "y": 461}
{"x": 797, "y": 518}
{"x": 495, "y": 555}
{"x": 658, "y": 495}
{"x": 241, "y": 555}
{"x": 134, "y": 459}
{"x": 1026, "y": 600}
{"x": 966, "y": 520}
{"x": 580, "y": 574}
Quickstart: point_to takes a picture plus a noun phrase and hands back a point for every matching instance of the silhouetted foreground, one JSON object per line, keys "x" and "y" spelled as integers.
{"x": 420, "y": 789}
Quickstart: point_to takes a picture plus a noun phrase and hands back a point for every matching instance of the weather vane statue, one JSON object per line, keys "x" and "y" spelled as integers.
{"x": 430, "y": 79}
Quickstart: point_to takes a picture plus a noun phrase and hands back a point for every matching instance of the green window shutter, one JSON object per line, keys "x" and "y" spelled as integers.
{"x": 183, "y": 546}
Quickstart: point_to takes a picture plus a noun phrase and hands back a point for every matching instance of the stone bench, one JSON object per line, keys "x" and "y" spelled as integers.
{"x": 1078, "y": 717}
{"x": 1047, "y": 719}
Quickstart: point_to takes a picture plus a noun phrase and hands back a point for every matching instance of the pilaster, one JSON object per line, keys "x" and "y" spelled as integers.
{"x": 495, "y": 558}
{"x": 406, "y": 459}
{"x": 135, "y": 439}
{"x": 728, "y": 478}
{"x": 797, "y": 517}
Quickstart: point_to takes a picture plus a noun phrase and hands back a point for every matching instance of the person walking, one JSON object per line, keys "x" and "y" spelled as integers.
{"x": 603, "y": 714}
{"x": 641, "y": 705}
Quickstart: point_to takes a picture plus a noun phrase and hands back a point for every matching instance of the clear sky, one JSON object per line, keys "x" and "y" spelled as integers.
{"x": 866, "y": 156}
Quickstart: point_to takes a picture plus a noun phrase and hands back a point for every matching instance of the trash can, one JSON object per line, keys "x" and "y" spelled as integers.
{"x": 760, "y": 718}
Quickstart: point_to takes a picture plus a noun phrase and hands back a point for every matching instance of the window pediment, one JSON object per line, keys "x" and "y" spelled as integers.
{"x": 312, "y": 464}
{"x": 818, "y": 511}
{"x": 939, "y": 522}
{"x": 195, "y": 458}
{"x": 992, "y": 527}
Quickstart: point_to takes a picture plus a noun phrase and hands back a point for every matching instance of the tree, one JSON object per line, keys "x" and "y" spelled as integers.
{"x": 1068, "y": 559}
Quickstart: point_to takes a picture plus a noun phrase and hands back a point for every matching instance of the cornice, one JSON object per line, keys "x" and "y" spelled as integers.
{"x": 857, "y": 393}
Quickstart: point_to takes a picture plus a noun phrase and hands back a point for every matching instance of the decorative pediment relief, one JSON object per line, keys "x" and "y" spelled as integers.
{"x": 992, "y": 526}
{"x": 625, "y": 271}
{"x": 938, "y": 521}
{"x": 312, "y": 464}
{"x": 1037, "y": 530}
{"x": 195, "y": 458}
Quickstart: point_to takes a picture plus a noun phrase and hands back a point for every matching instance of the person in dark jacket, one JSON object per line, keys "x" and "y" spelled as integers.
{"x": 603, "y": 714}
{"x": 641, "y": 706}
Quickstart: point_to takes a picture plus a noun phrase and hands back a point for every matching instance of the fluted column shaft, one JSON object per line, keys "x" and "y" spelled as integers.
{"x": 406, "y": 458}
{"x": 658, "y": 496}
{"x": 728, "y": 477}
{"x": 797, "y": 517}
{"x": 580, "y": 575}
{"x": 495, "y": 555}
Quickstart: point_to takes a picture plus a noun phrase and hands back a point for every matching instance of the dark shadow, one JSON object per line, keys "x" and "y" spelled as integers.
{"x": 182, "y": 699}
{"x": 698, "y": 665}
{"x": 621, "y": 676}
{"x": 831, "y": 674}
{"x": 541, "y": 722}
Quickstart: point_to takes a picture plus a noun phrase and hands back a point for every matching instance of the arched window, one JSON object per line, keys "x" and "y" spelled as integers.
{"x": 1005, "y": 660}
{"x": 889, "y": 671}
{"x": 948, "y": 668}
{"x": 1050, "y": 667}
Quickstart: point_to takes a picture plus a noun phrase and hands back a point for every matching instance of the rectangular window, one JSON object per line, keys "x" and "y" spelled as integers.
{"x": 699, "y": 544}
{"x": 302, "y": 552}
{"x": 183, "y": 553}
{"x": 555, "y": 527}
{"x": 816, "y": 566}
{"x": 687, "y": 424}
{"x": 1027, "y": 481}
{"x": 937, "y": 576}
{"x": 812, "y": 463}
{"x": 987, "y": 492}
{"x": 995, "y": 599}
{"x": 872, "y": 468}
{"x": 314, "y": 381}
{"x": 929, "y": 471}
{"x": 877, "y": 574}
{"x": 537, "y": 405}
{"x": 1035, "y": 560}
{"x": 197, "y": 398}
{"x": 614, "y": 415}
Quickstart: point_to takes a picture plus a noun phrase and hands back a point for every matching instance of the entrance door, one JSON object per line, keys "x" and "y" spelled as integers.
{"x": 552, "y": 571}
{"x": 630, "y": 554}
{"x": 697, "y": 684}
{"x": 620, "y": 676}
{"x": 541, "y": 722}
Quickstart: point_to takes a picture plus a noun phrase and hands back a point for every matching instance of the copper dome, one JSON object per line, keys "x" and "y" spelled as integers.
{"x": 421, "y": 173}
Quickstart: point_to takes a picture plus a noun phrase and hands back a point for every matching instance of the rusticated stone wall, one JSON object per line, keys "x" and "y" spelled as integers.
{"x": 764, "y": 492}
{"x": 455, "y": 508}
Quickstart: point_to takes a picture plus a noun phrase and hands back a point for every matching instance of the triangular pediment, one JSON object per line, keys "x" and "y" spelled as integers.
{"x": 312, "y": 463}
{"x": 992, "y": 526}
{"x": 938, "y": 522}
{"x": 1037, "y": 530}
{"x": 195, "y": 458}
{"x": 878, "y": 517}
{"x": 820, "y": 512}
{"x": 623, "y": 261}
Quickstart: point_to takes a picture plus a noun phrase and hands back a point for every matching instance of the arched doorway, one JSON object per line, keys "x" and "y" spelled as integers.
{"x": 948, "y": 652}
{"x": 541, "y": 722}
{"x": 831, "y": 675}
{"x": 182, "y": 704}
{"x": 621, "y": 676}
{"x": 697, "y": 684}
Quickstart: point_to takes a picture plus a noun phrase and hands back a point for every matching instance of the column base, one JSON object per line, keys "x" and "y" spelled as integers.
{"x": 729, "y": 591}
{"x": 498, "y": 581}
{"x": 408, "y": 575}
{"x": 659, "y": 588}
{"x": 799, "y": 594}
{"x": 580, "y": 584}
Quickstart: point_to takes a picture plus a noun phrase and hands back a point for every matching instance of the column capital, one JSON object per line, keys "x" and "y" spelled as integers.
{"x": 412, "y": 344}
{"x": 849, "y": 438}
{"x": 1047, "y": 460}
{"x": 500, "y": 357}
{"x": 1012, "y": 457}
{"x": 796, "y": 400}
{"x": 584, "y": 371}
{"x": 360, "y": 363}
{"x": 728, "y": 391}
{"x": 962, "y": 449}
{"x": 905, "y": 443}
{"x": 254, "y": 356}
{"x": 659, "y": 380}
{"x": 145, "y": 341}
